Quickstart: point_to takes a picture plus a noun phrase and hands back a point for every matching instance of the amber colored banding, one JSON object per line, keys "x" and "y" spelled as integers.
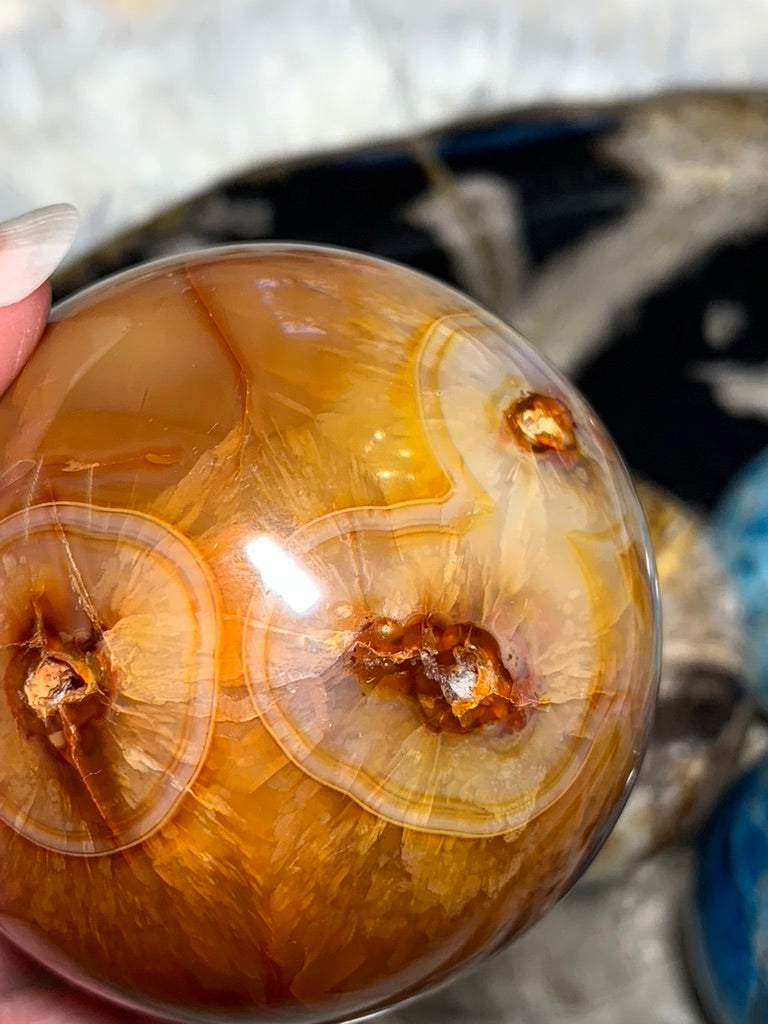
{"x": 294, "y": 394}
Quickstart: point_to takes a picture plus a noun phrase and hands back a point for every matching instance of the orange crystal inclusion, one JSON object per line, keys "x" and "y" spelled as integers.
{"x": 451, "y": 672}
{"x": 542, "y": 423}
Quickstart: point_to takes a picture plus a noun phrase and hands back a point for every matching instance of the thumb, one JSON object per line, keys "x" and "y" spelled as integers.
{"x": 20, "y": 328}
{"x": 31, "y": 247}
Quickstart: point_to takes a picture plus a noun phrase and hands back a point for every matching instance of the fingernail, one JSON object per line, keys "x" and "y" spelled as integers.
{"x": 31, "y": 247}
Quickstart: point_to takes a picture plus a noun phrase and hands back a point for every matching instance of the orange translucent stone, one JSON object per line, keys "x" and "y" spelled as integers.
{"x": 327, "y": 637}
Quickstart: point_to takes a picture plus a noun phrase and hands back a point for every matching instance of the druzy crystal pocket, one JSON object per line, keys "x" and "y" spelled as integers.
{"x": 328, "y": 631}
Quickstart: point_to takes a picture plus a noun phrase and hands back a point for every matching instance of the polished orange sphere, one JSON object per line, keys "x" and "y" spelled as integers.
{"x": 327, "y": 637}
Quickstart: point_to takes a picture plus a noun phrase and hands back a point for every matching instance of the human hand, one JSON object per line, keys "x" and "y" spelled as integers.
{"x": 31, "y": 247}
{"x": 29, "y": 995}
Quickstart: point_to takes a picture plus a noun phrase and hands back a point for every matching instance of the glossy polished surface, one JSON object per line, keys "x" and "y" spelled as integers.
{"x": 328, "y": 636}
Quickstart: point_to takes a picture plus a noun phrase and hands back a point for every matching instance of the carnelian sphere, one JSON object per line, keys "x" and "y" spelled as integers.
{"x": 327, "y": 636}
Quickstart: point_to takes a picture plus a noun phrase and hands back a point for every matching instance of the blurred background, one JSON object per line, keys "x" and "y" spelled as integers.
{"x": 122, "y": 106}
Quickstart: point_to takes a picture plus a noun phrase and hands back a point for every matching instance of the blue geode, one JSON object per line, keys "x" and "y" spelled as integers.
{"x": 727, "y": 929}
{"x": 740, "y": 532}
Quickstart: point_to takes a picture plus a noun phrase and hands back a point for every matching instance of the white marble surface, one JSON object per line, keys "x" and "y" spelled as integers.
{"x": 122, "y": 106}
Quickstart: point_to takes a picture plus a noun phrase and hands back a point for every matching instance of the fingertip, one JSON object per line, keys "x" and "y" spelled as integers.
{"x": 63, "y": 1006}
{"x": 31, "y": 248}
{"x": 20, "y": 328}
{"x": 17, "y": 971}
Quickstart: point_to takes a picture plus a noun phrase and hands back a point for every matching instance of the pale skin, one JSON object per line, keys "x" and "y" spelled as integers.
{"x": 28, "y": 994}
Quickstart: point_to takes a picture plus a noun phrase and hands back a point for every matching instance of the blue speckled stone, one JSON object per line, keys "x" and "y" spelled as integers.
{"x": 740, "y": 530}
{"x": 727, "y": 928}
